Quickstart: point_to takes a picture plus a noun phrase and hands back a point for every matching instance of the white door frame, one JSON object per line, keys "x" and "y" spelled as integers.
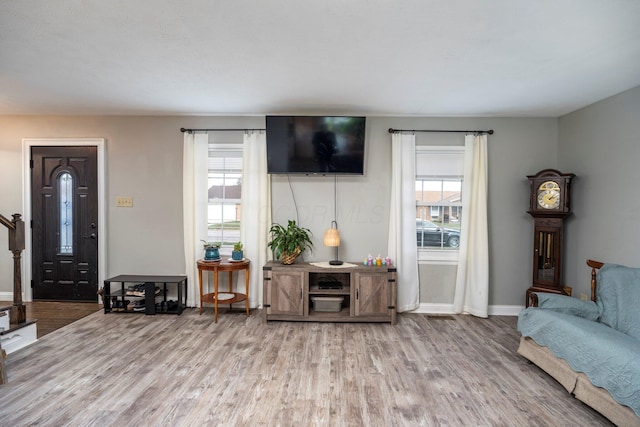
{"x": 27, "y": 143}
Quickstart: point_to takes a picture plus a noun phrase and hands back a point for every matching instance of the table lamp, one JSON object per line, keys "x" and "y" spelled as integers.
{"x": 332, "y": 239}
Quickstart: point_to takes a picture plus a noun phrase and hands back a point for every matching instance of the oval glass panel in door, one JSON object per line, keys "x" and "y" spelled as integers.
{"x": 65, "y": 196}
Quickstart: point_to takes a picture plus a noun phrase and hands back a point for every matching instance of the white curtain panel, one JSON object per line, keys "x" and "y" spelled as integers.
{"x": 194, "y": 194}
{"x": 402, "y": 220}
{"x": 256, "y": 210}
{"x": 472, "y": 279}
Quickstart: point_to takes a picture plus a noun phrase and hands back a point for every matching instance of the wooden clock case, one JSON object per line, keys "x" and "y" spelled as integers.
{"x": 548, "y": 233}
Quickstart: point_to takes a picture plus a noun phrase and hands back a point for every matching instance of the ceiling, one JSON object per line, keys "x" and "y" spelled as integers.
{"x": 505, "y": 58}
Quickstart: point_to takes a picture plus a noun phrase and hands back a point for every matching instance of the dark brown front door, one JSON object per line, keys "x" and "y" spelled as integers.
{"x": 64, "y": 204}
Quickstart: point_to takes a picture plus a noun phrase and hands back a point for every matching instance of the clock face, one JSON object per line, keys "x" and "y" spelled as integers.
{"x": 549, "y": 195}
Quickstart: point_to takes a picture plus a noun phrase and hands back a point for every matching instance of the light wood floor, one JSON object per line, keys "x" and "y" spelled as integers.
{"x": 164, "y": 370}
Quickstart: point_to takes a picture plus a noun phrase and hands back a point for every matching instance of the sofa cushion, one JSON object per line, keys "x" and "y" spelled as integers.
{"x": 611, "y": 359}
{"x": 568, "y": 305}
{"x": 618, "y": 296}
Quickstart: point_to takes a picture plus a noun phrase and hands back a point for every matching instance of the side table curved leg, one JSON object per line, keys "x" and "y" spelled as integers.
{"x": 246, "y": 285}
{"x": 215, "y": 295}
{"x": 230, "y": 287}
{"x": 200, "y": 282}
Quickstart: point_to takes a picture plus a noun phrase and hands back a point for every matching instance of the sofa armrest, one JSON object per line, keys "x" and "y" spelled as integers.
{"x": 568, "y": 305}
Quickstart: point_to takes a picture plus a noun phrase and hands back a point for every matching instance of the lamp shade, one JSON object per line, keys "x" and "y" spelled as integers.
{"x": 332, "y": 237}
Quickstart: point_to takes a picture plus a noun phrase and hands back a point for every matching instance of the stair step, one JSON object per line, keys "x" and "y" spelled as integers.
{"x": 15, "y": 326}
{"x": 19, "y": 336}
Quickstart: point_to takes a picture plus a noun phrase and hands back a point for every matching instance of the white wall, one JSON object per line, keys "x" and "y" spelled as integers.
{"x": 601, "y": 145}
{"x": 144, "y": 161}
{"x": 518, "y": 148}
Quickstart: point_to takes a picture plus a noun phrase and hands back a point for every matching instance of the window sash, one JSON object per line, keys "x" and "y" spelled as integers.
{"x": 225, "y": 190}
{"x": 436, "y": 167}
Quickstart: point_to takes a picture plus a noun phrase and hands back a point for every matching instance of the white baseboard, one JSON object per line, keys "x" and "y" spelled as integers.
{"x": 505, "y": 310}
{"x": 430, "y": 308}
{"x": 8, "y": 296}
{"x": 494, "y": 310}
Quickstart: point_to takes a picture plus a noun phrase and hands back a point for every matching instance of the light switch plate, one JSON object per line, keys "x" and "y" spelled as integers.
{"x": 124, "y": 202}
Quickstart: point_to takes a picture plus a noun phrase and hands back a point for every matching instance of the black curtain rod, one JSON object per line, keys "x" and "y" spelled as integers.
{"x": 391, "y": 130}
{"x": 183, "y": 130}
{"x": 490, "y": 131}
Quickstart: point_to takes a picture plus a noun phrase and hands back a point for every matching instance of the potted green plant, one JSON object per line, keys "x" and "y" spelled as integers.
{"x": 237, "y": 253}
{"x": 211, "y": 250}
{"x": 287, "y": 243}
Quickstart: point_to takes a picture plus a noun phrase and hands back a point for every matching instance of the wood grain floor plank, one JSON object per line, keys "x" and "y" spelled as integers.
{"x": 127, "y": 369}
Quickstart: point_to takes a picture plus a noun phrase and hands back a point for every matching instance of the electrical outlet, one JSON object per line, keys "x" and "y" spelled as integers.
{"x": 124, "y": 202}
{"x": 584, "y": 296}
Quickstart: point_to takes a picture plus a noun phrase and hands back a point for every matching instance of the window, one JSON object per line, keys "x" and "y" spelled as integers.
{"x": 439, "y": 176}
{"x": 65, "y": 197}
{"x": 225, "y": 189}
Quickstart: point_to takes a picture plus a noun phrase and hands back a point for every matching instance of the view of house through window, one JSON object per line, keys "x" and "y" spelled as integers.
{"x": 225, "y": 189}
{"x": 439, "y": 178}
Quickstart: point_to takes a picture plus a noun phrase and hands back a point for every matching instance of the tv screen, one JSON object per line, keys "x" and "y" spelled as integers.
{"x": 318, "y": 145}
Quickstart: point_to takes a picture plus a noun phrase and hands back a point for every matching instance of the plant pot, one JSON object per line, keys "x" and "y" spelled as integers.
{"x": 211, "y": 254}
{"x": 289, "y": 258}
{"x": 237, "y": 255}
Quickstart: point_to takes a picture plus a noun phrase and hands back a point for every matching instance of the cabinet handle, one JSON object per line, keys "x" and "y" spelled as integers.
{"x": 357, "y": 293}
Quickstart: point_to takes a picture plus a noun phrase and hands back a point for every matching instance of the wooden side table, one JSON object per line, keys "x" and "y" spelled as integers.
{"x": 216, "y": 267}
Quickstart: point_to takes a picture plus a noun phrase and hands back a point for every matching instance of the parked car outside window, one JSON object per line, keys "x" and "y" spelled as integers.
{"x": 430, "y": 234}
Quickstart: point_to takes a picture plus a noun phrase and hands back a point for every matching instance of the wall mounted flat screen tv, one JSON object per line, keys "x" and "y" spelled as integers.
{"x": 315, "y": 145}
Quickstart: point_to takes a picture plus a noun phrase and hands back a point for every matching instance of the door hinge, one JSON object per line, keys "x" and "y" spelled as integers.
{"x": 266, "y": 305}
{"x": 31, "y": 163}
{"x": 266, "y": 278}
{"x": 31, "y": 223}
{"x": 32, "y": 283}
{"x": 391, "y": 307}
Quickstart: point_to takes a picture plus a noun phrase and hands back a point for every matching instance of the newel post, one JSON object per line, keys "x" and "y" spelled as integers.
{"x": 18, "y": 313}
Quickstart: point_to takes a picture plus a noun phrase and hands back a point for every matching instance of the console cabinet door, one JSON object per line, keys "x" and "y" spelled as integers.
{"x": 285, "y": 293}
{"x": 372, "y": 295}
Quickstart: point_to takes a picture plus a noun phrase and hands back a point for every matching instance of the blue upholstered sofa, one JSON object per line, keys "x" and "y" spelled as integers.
{"x": 592, "y": 347}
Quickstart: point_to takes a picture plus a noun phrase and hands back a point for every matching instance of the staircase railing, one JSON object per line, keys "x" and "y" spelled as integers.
{"x": 18, "y": 312}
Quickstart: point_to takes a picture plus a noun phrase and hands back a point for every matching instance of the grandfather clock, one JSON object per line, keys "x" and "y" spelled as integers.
{"x": 549, "y": 205}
